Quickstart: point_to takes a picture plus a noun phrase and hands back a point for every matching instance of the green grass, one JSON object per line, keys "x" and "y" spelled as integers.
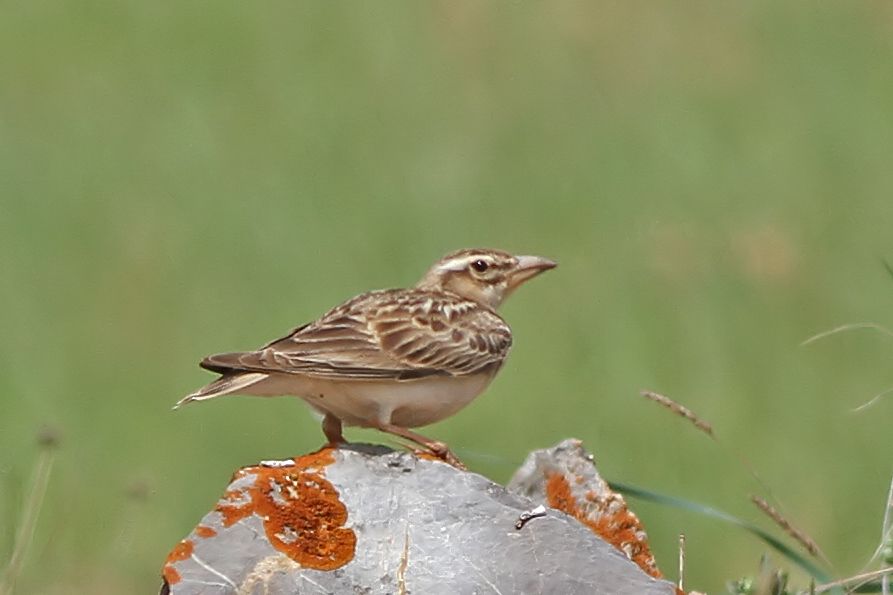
{"x": 182, "y": 179}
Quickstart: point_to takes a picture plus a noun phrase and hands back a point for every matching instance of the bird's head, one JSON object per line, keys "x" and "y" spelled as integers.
{"x": 484, "y": 275}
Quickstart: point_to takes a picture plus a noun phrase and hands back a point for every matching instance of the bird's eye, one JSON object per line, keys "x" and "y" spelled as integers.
{"x": 480, "y": 265}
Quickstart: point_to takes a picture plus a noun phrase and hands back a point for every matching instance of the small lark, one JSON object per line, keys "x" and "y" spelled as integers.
{"x": 391, "y": 359}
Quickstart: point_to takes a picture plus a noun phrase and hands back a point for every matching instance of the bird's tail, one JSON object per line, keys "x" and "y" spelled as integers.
{"x": 225, "y": 385}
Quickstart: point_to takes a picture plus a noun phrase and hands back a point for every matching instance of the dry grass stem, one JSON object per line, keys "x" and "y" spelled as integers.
{"x": 679, "y": 410}
{"x": 681, "y": 583}
{"x": 848, "y": 327}
{"x": 886, "y": 540}
{"x": 798, "y": 535}
{"x": 707, "y": 428}
{"x": 873, "y": 400}
{"x": 885, "y": 547}
{"x": 31, "y": 512}
{"x": 404, "y": 564}
{"x": 853, "y": 582}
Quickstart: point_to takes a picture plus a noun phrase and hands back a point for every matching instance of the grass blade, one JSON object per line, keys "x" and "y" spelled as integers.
{"x": 31, "y": 512}
{"x": 888, "y": 266}
{"x": 794, "y": 556}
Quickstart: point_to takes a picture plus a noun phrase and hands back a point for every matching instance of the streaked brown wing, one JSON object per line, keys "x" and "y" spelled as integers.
{"x": 397, "y": 334}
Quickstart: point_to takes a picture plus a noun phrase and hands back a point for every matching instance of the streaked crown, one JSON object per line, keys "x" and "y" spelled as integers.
{"x": 484, "y": 275}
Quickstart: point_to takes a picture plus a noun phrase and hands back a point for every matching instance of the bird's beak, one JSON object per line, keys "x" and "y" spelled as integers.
{"x": 529, "y": 267}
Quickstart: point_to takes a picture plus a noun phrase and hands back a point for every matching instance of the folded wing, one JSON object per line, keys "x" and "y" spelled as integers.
{"x": 396, "y": 334}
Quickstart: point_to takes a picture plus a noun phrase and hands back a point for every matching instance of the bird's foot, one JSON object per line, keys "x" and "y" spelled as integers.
{"x": 432, "y": 447}
{"x": 443, "y": 452}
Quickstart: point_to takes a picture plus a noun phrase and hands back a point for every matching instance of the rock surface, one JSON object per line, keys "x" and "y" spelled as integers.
{"x": 565, "y": 477}
{"x": 365, "y": 519}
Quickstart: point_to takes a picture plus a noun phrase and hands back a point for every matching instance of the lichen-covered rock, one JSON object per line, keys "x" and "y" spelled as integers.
{"x": 565, "y": 477}
{"x": 364, "y": 519}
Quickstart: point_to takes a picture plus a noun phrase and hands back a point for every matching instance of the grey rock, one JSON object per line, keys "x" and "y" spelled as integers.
{"x": 367, "y": 520}
{"x": 565, "y": 477}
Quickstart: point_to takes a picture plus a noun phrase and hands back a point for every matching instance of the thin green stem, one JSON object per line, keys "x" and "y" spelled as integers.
{"x": 30, "y": 514}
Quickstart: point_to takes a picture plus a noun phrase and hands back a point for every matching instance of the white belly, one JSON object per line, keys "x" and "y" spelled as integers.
{"x": 408, "y": 404}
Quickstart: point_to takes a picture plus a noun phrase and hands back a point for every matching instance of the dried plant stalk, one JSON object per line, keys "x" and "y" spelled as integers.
{"x": 854, "y": 582}
{"x": 680, "y": 410}
{"x": 798, "y": 535}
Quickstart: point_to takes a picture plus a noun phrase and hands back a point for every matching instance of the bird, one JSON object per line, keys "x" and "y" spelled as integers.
{"x": 392, "y": 359}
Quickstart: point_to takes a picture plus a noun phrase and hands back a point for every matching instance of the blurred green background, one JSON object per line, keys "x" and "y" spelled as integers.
{"x": 715, "y": 179}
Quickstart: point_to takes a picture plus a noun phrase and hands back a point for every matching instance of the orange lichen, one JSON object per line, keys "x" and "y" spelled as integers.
{"x": 615, "y": 523}
{"x": 182, "y": 551}
{"x": 234, "y": 507}
{"x": 301, "y": 511}
{"x": 205, "y": 532}
{"x": 559, "y": 493}
{"x": 170, "y": 574}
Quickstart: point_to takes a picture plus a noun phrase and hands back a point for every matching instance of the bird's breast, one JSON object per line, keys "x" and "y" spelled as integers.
{"x": 409, "y": 403}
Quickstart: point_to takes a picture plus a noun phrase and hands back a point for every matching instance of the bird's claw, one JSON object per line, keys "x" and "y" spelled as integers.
{"x": 443, "y": 452}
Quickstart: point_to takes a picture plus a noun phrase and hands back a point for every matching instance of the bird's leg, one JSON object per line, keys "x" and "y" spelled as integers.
{"x": 438, "y": 449}
{"x": 331, "y": 427}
